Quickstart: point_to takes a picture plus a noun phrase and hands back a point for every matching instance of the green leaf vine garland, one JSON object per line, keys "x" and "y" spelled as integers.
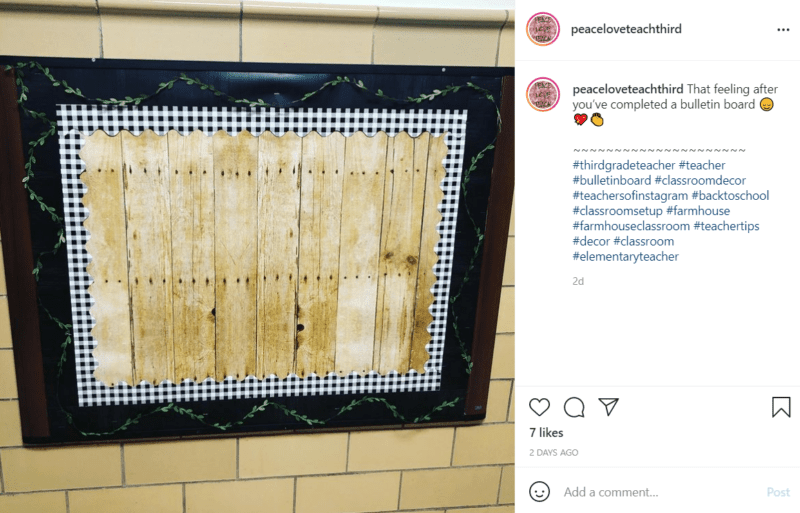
{"x": 21, "y": 68}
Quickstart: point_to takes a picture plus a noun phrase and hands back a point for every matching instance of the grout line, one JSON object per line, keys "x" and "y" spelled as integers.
{"x": 510, "y": 395}
{"x": 499, "y": 485}
{"x": 347, "y": 456}
{"x": 374, "y": 28}
{"x": 499, "y": 34}
{"x": 438, "y": 509}
{"x": 66, "y": 499}
{"x": 400, "y": 490}
{"x": 453, "y": 448}
{"x": 183, "y": 491}
{"x": 294, "y": 496}
{"x": 241, "y": 18}
{"x": 122, "y": 462}
{"x": 476, "y": 507}
{"x": 100, "y": 26}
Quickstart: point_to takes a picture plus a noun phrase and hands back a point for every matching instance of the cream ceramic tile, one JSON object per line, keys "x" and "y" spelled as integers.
{"x": 503, "y": 359}
{"x": 435, "y": 45}
{"x": 348, "y": 494}
{"x": 497, "y": 407}
{"x": 511, "y": 405}
{"x": 508, "y": 272}
{"x": 507, "y": 485}
{"x": 8, "y": 376}
{"x": 10, "y": 432}
{"x": 49, "y": 5}
{"x": 483, "y": 445}
{"x": 292, "y": 455}
{"x": 511, "y": 225}
{"x": 150, "y": 499}
{"x": 455, "y": 17}
{"x": 506, "y": 51}
{"x": 490, "y": 509}
{"x": 399, "y": 449}
{"x": 51, "y": 502}
{"x": 61, "y": 29}
{"x": 201, "y": 460}
{"x": 439, "y": 37}
{"x": 292, "y": 9}
{"x": 5, "y": 322}
{"x": 2, "y": 268}
{"x": 341, "y": 41}
{"x": 228, "y": 8}
{"x": 61, "y": 468}
{"x": 167, "y": 36}
{"x": 450, "y": 487}
{"x": 273, "y": 495}
{"x": 505, "y": 319}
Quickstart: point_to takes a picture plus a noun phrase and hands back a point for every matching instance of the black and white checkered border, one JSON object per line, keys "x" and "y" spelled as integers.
{"x": 75, "y": 120}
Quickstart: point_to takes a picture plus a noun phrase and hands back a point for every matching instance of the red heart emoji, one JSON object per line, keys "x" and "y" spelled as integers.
{"x": 581, "y": 118}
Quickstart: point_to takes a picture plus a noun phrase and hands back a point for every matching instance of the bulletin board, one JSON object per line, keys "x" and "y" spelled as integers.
{"x": 216, "y": 248}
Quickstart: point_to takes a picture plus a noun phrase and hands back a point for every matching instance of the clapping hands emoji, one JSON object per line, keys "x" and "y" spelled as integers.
{"x": 597, "y": 119}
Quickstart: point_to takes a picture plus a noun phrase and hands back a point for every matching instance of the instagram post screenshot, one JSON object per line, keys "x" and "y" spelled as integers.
{"x": 657, "y": 359}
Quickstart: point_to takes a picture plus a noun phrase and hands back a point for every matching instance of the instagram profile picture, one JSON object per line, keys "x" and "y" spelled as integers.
{"x": 543, "y": 94}
{"x": 543, "y": 29}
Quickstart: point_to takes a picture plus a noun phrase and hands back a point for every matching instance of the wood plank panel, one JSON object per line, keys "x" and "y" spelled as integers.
{"x": 149, "y": 254}
{"x": 108, "y": 245}
{"x": 362, "y": 206}
{"x": 235, "y": 253}
{"x": 268, "y": 255}
{"x": 431, "y": 217}
{"x": 279, "y": 166}
{"x": 191, "y": 164}
{"x": 404, "y": 195}
{"x": 320, "y": 224}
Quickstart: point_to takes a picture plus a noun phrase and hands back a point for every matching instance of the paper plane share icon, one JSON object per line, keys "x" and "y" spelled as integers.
{"x": 610, "y": 404}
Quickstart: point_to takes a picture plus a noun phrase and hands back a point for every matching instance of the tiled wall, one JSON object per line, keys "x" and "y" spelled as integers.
{"x": 465, "y": 469}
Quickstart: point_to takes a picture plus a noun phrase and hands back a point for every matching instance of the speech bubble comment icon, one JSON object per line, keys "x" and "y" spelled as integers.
{"x": 573, "y": 407}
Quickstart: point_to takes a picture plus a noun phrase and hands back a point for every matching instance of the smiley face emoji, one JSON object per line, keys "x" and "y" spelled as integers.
{"x": 766, "y": 104}
{"x": 539, "y": 491}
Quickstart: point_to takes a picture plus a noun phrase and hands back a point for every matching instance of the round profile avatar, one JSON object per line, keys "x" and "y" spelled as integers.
{"x": 543, "y": 29}
{"x": 539, "y": 491}
{"x": 543, "y": 94}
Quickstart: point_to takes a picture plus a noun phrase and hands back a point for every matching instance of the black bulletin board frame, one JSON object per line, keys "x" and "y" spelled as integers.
{"x": 39, "y": 310}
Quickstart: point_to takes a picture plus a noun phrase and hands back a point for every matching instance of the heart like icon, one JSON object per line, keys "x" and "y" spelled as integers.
{"x": 539, "y": 406}
{"x": 581, "y": 118}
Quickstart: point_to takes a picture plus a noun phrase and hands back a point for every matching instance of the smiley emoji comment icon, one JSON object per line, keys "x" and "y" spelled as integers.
{"x": 767, "y": 104}
{"x": 539, "y": 491}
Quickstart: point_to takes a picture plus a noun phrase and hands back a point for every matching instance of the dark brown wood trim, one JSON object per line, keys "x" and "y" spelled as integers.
{"x": 18, "y": 256}
{"x": 494, "y": 257}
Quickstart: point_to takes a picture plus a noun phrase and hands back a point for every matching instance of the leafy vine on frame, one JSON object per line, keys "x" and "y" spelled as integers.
{"x": 50, "y": 130}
